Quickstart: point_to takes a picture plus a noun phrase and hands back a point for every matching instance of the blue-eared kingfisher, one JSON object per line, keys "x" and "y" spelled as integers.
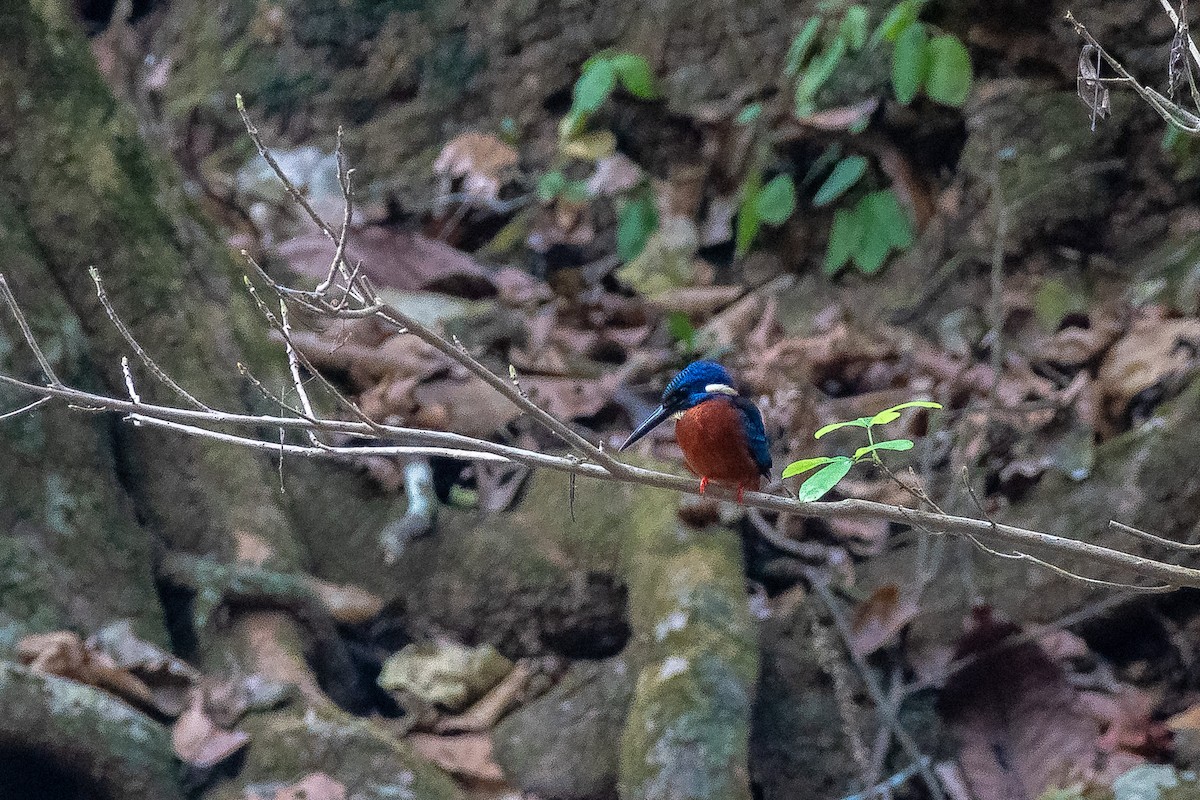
{"x": 720, "y": 432}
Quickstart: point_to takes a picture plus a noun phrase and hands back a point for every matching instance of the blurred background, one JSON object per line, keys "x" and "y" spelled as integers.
{"x": 849, "y": 205}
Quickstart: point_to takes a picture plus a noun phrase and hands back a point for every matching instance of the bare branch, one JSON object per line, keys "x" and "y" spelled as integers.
{"x": 11, "y": 301}
{"x": 138, "y": 350}
{"x": 25, "y": 409}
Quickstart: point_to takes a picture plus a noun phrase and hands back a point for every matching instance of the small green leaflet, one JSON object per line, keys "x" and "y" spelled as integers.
{"x": 844, "y": 176}
{"x": 897, "y": 21}
{"x": 635, "y": 75}
{"x": 844, "y": 238}
{"x": 749, "y": 114}
{"x": 826, "y": 478}
{"x": 909, "y": 63}
{"x": 636, "y": 221}
{"x": 801, "y": 46}
{"x": 861, "y": 422}
{"x": 804, "y": 465}
{"x": 854, "y": 27}
{"x": 899, "y": 445}
{"x": 892, "y": 414}
{"x": 949, "y": 65}
{"x": 819, "y": 71}
{"x": 594, "y": 86}
{"x": 777, "y": 200}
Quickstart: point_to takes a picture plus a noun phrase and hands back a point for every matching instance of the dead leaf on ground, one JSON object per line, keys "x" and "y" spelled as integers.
{"x": 613, "y": 175}
{"x": 316, "y": 786}
{"x": 64, "y": 653}
{"x": 346, "y": 603}
{"x": 167, "y": 676}
{"x": 482, "y": 161}
{"x": 1021, "y": 726}
{"x": 468, "y": 755}
{"x": 880, "y": 617}
{"x": 197, "y": 739}
{"x": 1153, "y": 352}
{"x": 392, "y": 259}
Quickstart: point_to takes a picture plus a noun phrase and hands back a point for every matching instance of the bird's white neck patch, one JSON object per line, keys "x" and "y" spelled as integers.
{"x": 721, "y": 388}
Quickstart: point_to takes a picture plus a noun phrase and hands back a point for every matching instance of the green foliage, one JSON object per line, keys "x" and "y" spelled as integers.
{"x": 949, "y": 74}
{"x": 636, "y": 221}
{"x": 769, "y": 204}
{"x": 867, "y": 233}
{"x": 682, "y": 330}
{"x": 924, "y": 61}
{"x": 845, "y": 174}
{"x": 831, "y": 469}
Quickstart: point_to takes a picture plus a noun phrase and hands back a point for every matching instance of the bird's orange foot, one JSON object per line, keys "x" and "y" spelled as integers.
{"x": 703, "y": 485}
{"x": 741, "y": 494}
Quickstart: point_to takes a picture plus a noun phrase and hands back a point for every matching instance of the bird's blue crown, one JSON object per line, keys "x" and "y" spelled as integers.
{"x": 691, "y": 384}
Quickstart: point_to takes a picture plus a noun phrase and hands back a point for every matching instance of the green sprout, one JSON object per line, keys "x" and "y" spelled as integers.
{"x": 833, "y": 468}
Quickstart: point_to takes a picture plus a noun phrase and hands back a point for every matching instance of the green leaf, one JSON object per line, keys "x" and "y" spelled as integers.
{"x": 594, "y": 87}
{"x": 801, "y": 46}
{"x": 892, "y": 414}
{"x": 818, "y": 485}
{"x": 819, "y": 71}
{"x": 861, "y": 422}
{"x": 844, "y": 176}
{"x": 681, "y": 329}
{"x": 897, "y": 21}
{"x": 636, "y": 220}
{"x": 550, "y": 185}
{"x": 887, "y": 213}
{"x": 804, "y": 465}
{"x": 748, "y": 114}
{"x": 854, "y": 27}
{"x": 1052, "y": 303}
{"x": 635, "y": 75}
{"x": 576, "y": 191}
{"x": 885, "y": 225}
{"x": 777, "y": 200}
{"x": 909, "y": 63}
{"x": 571, "y": 125}
{"x": 748, "y": 221}
{"x": 949, "y": 77}
{"x": 844, "y": 238}
{"x": 899, "y": 445}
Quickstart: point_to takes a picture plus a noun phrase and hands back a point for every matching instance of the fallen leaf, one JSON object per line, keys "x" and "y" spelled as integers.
{"x": 482, "y": 161}
{"x": 197, "y": 739}
{"x": 613, "y": 175}
{"x": 1020, "y": 724}
{"x": 880, "y": 617}
{"x": 467, "y": 755}
{"x": 64, "y": 653}
{"x": 168, "y": 677}
{"x": 316, "y": 786}
{"x": 1153, "y": 351}
{"x": 401, "y": 260}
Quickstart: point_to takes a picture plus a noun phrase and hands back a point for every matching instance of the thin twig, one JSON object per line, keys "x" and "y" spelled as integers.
{"x": 25, "y": 409}
{"x": 11, "y": 300}
{"x": 1150, "y": 537}
{"x": 138, "y": 350}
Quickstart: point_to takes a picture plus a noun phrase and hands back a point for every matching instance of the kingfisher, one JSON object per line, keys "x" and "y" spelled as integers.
{"x": 720, "y": 432}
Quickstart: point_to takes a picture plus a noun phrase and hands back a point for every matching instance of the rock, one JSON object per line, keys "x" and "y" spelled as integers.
{"x": 564, "y": 744}
{"x": 448, "y": 674}
{"x": 370, "y": 763}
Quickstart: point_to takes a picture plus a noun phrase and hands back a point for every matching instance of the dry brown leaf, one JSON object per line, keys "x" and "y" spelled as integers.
{"x": 1152, "y": 352}
{"x": 482, "y": 161}
{"x": 1020, "y": 724}
{"x": 393, "y": 259}
{"x": 316, "y": 786}
{"x": 613, "y": 175}
{"x": 197, "y": 739}
{"x": 697, "y": 302}
{"x": 468, "y": 755}
{"x": 166, "y": 676}
{"x": 486, "y": 711}
{"x": 64, "y": 654}
{"x": 840, "y": 118}
{"x": 346, "y": 603}
{"x": 880, "y": 617}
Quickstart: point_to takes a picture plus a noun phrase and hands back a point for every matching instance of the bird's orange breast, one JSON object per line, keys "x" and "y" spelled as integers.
{"x": 714, "y": 444}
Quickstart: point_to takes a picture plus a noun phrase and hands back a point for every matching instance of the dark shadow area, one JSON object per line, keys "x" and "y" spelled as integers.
{"x": 29, "y": 775}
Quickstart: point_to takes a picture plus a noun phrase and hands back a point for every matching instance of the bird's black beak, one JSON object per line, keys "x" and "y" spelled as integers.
{"x": 653, "y": 421}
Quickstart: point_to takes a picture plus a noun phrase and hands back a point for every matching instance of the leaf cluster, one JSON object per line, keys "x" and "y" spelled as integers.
{"x": 831, "y": 469}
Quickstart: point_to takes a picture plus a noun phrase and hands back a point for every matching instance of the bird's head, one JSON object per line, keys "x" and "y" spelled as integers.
{"x": 697, "y": 382}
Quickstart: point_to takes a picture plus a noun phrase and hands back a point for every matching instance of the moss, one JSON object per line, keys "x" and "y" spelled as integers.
{"x": 89, "y": 733}
{"x": 372, "y": 764}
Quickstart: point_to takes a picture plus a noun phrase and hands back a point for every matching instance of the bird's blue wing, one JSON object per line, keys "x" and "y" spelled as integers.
{"x": 756, "y": 434}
